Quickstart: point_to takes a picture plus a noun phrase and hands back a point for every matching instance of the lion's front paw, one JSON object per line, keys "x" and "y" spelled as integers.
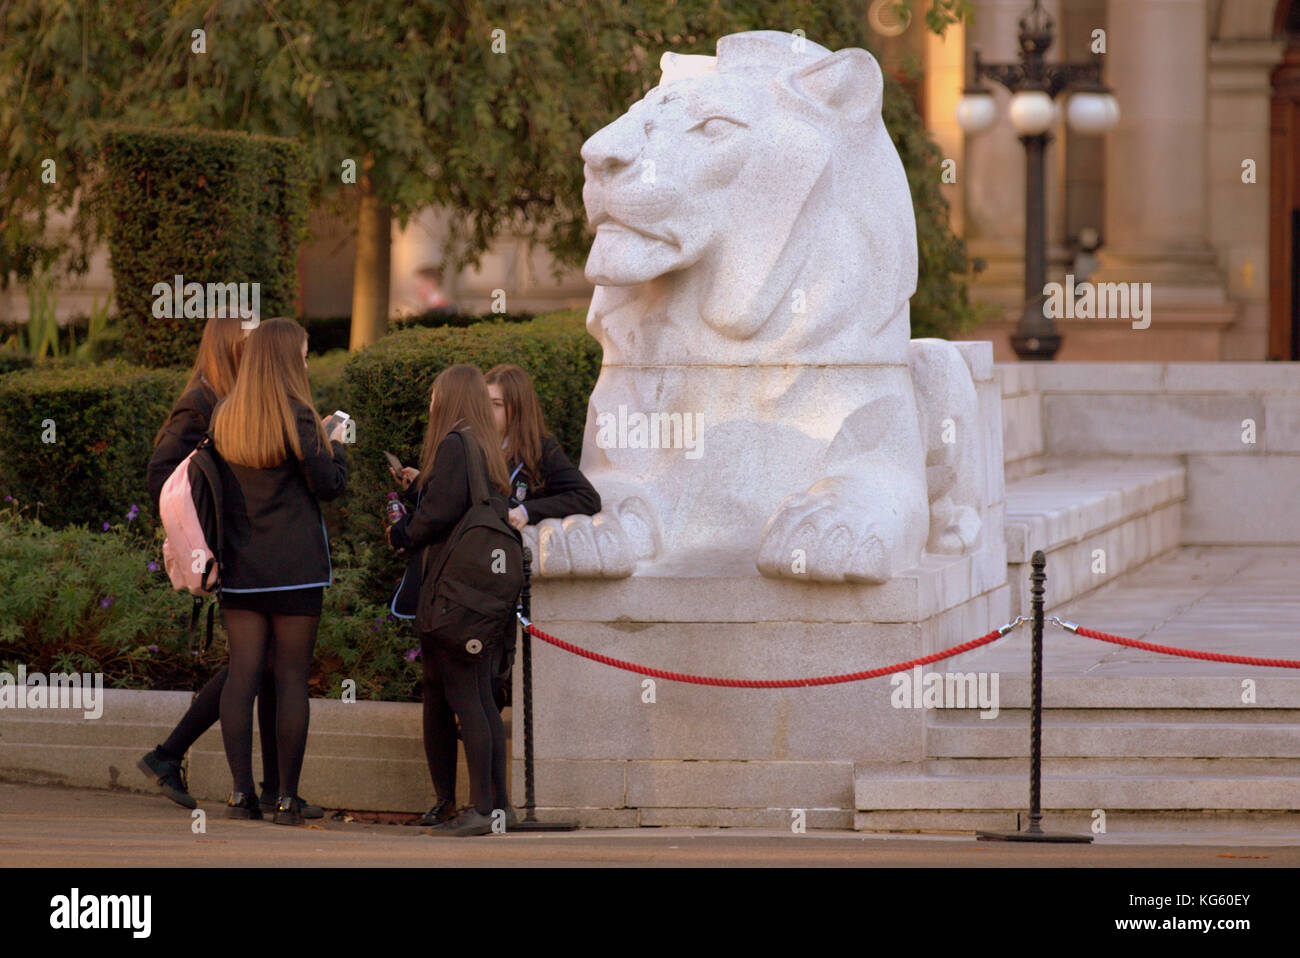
{"x": 604, "y": 546}
{"x": 825, "y": 537}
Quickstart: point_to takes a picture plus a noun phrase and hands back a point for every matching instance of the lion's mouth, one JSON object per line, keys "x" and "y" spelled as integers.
{"x": 607, "y": 223}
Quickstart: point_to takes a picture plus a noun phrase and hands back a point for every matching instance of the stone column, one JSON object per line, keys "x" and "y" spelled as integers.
{"x": 1156, "y": 184}
{"x": 1240, "y": 94}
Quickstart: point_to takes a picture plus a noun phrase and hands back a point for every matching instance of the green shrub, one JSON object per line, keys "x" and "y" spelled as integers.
{"x": 388, "y": 385}
{"x": 101, "y": 420}
{"x": 89, "y": 600}
{"x": 12, "y": 359}
{"x": 213, "y": 207}
{"x": 327, "y": 385}
{"x": 95, "y": 600}
{"x": 328, "y": 333}
{"x": 359, "y": 639}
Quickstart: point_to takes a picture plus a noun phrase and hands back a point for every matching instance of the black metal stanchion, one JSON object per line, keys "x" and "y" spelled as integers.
{"x": 530, "y": 823}
{"x": 1035, "y": 833}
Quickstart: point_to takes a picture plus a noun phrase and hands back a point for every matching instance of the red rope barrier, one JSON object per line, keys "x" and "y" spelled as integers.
{"x": 1186, "y": 653}
{"x": 765, "y": 683}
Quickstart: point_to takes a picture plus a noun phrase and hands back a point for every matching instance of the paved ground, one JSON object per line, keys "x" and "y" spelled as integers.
{"x": 1238, "y": 600}
{"x": 43, "y": 826}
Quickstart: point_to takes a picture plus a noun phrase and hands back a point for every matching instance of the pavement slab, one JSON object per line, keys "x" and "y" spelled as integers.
{"x": 49, "y": 826}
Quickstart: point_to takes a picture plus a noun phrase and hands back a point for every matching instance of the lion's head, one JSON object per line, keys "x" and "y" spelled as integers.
{"x": 750, "y": 175}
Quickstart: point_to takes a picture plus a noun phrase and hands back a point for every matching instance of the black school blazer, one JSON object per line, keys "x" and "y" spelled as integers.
{"x": 273, "y": 533}
{"x": 561, "y": 489}
{"x": 566, "y": 492}
{"x": 185, "y": 426}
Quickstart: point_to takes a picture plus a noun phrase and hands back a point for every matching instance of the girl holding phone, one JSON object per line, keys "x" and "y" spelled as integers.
{"x": 544, "y": 484}
{"x": 276, "y": 464}
{"x": 213, "y": 376}
{"x": 460, "y": 425}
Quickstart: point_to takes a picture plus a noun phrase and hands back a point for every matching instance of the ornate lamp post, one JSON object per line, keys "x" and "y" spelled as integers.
{"x": 1034, "y": 85}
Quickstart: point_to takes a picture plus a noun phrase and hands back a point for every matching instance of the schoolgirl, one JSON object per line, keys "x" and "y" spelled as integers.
{"x": 276, "y": 463}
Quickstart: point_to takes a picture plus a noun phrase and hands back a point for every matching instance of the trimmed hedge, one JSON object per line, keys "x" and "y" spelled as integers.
{"x": 12, "y": 360}
{"x": 328, "y": 333}
{"x": 388, "y": 386}
{"x": 104, "y": 420}
{"x": 213, "y": 207}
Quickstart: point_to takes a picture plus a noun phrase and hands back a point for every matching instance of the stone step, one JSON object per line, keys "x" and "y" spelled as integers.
{"x": 1099, "y": 766}
{"x": 1009, "y": 792}
{"x": 1187, "y": 687}
{"x": 1166, "y": 740}
{"x": 1274, "y": 827}
{"x": 1128, "y": 509}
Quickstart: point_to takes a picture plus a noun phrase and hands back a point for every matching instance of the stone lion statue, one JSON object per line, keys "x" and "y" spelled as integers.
{"x": 760, "y": 404}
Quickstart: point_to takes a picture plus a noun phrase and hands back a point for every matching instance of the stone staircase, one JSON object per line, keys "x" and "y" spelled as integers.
{"x": 1094, "y": 518}
{"x": 1151, "y": 753}
{"x": 1133, "y": 741}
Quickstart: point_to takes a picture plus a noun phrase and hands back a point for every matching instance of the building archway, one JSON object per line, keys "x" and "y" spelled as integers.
{"x": 1284, "y": 215}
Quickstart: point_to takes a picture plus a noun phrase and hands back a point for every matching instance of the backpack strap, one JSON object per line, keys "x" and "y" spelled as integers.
{"x": 208, "y": 466}
{"x": 204, "y": 643}
{"x": 476, "y": 465}
{"x": 194, "y": 625}
{"x": 476, "y": 468}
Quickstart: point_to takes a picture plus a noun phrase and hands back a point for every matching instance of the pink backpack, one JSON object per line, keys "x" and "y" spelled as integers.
{"x": 186, "y": 508}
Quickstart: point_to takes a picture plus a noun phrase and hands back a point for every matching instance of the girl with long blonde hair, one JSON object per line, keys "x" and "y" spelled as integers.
{"x": 277, "y": 463}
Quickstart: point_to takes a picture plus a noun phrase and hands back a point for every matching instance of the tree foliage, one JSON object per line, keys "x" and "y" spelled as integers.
{"x": 480, "y": 106}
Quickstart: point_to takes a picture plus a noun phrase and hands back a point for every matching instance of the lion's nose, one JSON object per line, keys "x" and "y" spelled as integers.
{"x": 614, "y": 147}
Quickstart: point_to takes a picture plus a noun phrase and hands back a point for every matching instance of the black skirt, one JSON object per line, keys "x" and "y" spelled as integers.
{"x": 280, "y": 602}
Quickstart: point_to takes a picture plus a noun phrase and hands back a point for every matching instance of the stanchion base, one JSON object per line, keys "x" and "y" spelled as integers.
{"x": 1033, "y": 836}
{"x": 535, "y": 826}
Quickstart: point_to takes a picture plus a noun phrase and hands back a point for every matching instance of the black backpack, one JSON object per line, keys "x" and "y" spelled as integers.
{"x": 468, "y": 602}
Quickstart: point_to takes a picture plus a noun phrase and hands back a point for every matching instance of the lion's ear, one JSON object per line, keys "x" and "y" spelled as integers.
{"x": 847, "y": 84}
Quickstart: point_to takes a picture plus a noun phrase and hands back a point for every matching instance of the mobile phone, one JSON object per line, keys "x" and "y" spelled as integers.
{"x": 334, "y": 419}
{"x": 394, "y": 462}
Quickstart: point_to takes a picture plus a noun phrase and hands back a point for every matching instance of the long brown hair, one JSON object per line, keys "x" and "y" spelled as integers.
{"x": 220, "y": 349}
{"x": 525, "y": 427}
{"x": 250, "y": 425}
{"x": 459, "y": 398}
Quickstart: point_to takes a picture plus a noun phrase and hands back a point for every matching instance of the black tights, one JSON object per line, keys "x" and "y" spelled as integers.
{"x": 206, "y": 709}
{"x": 454, "y": 688}
{"x": 250, "y": 633}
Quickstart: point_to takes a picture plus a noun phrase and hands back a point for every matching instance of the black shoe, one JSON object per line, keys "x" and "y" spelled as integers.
{"x": 308, "y": 811}
{"x": 288, "y": 810}
{"x": 470, "y": 821}
{"x": 243, "y": 805}
{"x": 170, "y": 777}
{"x": 442, "y": 812}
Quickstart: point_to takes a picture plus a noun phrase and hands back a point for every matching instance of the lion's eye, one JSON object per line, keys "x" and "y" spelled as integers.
{"x": 715, "y": 126}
